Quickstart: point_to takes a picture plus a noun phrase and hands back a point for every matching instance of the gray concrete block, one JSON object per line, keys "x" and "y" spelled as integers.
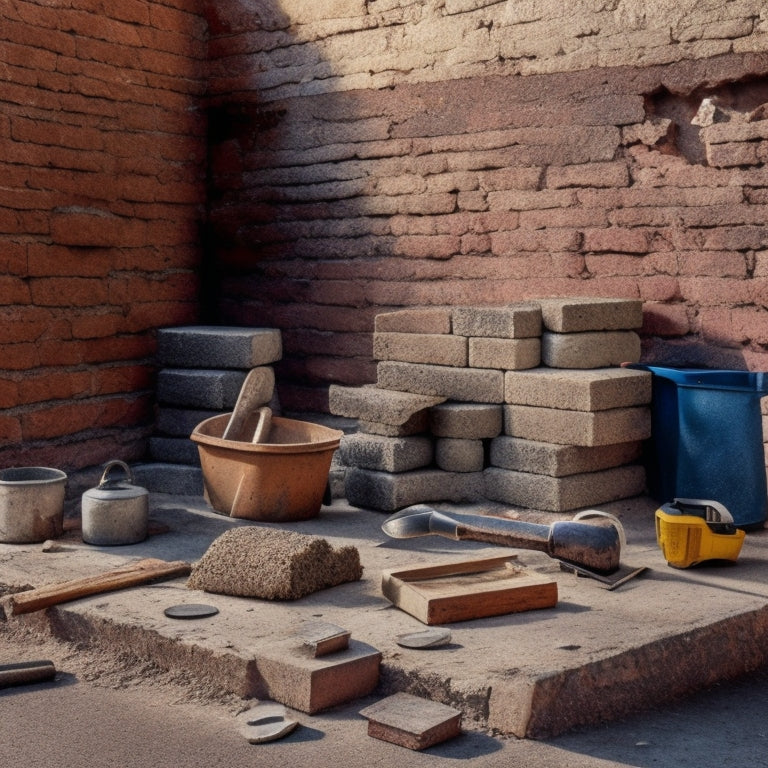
{"x": 416, "y": 425}
{"x": 589, "y": 349}
{"x": 478, "y": 385}
{"x": 380, "y": 405}
{"x": 586, "y": 428}
{"x": 430, "y": 348}
{"x": 466, "y": 420}
{"x": 595, "y": 389}
{"x": 459, "y": 455}
{"x": 559, "y": 460}
{"x": 174, "y": 450}
{"x": 180, "y": 422}
{"x": 203, "y": 346}
{"x": 388, "y": 492}
{"x": 206, "y": 389}
{"x": 514, "y": 321}
{"x": 386, "y": 454}
{"x": 418, "y": 320}
{"x": 176, "y": 479}
{"x": 506, "y": 354}
{"x": 563, "y": 494}
{"x": 571, "y": 315}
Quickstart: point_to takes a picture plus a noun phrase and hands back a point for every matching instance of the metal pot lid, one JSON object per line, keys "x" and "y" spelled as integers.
{"x": 116, "y": 492}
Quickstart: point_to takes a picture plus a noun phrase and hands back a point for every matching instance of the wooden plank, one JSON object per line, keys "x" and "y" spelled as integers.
{"x": 470, "y": 589}
{"x": 140, "y": 572}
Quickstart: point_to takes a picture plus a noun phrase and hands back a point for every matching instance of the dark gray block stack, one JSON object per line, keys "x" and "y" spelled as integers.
{"x": 202, "y": 369}
{"x": 521, "y": 404}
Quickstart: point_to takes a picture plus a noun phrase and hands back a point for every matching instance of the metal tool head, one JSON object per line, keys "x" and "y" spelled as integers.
{"x": 418, "y": 520}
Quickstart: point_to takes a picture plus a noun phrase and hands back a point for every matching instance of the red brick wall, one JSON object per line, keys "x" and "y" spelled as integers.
{"x": 101, "y": 196}
{"x": 335, "y": 202}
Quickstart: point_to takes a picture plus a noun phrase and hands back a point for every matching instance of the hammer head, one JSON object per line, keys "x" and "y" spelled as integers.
{"x": 593, "y": 546}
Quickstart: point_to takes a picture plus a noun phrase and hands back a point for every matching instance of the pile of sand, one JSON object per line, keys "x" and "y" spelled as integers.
{"x": 273, "y": 564}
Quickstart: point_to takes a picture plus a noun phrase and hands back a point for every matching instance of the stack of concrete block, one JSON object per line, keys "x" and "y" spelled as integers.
{"x": 521, "y": 404}
{"x": 202, "y": 369}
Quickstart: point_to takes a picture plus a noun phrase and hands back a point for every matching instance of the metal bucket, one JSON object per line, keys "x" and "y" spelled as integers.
{"x": 31, "y": 504}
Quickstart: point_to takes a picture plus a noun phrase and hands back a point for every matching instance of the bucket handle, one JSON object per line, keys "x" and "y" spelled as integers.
{"x": 105, "y": 482}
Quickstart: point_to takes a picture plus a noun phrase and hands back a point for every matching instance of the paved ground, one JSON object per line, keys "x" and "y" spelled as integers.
{"x": 598, "y": 656}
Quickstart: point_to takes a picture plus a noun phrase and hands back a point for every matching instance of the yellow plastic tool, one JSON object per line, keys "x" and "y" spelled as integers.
{"x": 690, "y": 531}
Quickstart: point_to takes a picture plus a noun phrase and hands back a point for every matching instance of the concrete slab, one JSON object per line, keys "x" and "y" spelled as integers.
{"x": 386, "y": 454}
{"x": 589, "y": 349}
{"x": 467, "y": 420}
{"x": 202, "y": 346}
{"x": 415, "y": 320}
{"x": 479, "y": 385}
{"x": 515, "y": 321}
{"x": 378, "y": 405}
{"x": 430, "y": 348}
{"x": 506, "y": 354}
{"x": 584, "y": 428}
{"x": 597, "y": 656}
{"x": 571, "y": 315}
{"x": 578, "y": 390}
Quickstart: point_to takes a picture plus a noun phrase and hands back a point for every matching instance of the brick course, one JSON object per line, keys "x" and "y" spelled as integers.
{"x": 102, "y": 150}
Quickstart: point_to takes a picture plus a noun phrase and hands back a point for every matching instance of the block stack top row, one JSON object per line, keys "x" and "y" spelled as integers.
{"x": 461, "y": 353}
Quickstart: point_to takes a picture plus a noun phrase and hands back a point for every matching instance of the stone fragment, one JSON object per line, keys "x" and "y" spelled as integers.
{"x": 514, "y": 321}
{"x": 458, "y": 455}
{"x": 387, "y": 454}
{"x": 572, "y": 315}
{"x": 267, "y": 721}
{"x": 434, "y": 637}
{"x": 272, "y": 564}
{"x": 595, "y": 389}
{"x": 554, "y": 425}
{"x": 563, "y": 494}
{"x": 411, "y": 721}
{"x": 589, "y": 349}
{"x": 378, "y": 404}
{"x": 428, "y": 320}
{"x": 559, "y": 460}
{"x": 321, "y": 638}
{"x": 478, "y": 385}
{"x": 436, "y": 349}
{"x": 506, "y": 354}
{"x": 466, "y": 420}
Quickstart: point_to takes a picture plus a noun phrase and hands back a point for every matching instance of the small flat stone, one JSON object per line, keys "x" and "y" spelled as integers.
{"x": 321, "y": 638}
{"x": 411, "y": 721}
{"x": 265, "y": 722}
{"x": 428, "y": 638}
{"x": 190, "y": 611}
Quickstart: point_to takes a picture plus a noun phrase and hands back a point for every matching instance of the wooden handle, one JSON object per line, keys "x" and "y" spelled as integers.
{"x": 140, "y": 572}
{"x": 26, "y": 672}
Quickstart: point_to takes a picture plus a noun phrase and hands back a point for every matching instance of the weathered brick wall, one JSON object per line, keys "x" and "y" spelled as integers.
{"x": 382, "y": 154}
{"x": 101, "y": 194}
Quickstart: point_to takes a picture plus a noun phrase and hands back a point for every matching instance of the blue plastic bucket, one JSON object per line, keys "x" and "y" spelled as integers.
{"x": 707, "y": 439}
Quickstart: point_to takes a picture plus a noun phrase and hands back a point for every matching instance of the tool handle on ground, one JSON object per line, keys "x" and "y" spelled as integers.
{"x": 137, "y": 573}
{"x": 22, "y": 672}
{"x": 499, "y": 531}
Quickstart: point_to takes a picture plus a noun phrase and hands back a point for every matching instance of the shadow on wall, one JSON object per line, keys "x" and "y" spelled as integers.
{"x": 332, "y": 199}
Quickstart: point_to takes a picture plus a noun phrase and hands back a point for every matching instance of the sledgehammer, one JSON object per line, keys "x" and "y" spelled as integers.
{"x": 591, "y": 547}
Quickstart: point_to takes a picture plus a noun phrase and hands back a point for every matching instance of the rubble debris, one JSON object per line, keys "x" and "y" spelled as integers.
{"x": 273, "y": 564}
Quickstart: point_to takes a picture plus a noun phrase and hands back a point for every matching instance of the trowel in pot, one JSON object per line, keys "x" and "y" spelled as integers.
{"x": 589, "y": 548}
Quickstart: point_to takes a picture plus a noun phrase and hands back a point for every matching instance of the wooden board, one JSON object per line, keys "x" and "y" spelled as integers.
{"x": 468, "y": 589}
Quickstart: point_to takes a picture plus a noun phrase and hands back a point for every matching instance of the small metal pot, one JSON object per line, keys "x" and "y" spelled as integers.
{"x": 116, "y": 512}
